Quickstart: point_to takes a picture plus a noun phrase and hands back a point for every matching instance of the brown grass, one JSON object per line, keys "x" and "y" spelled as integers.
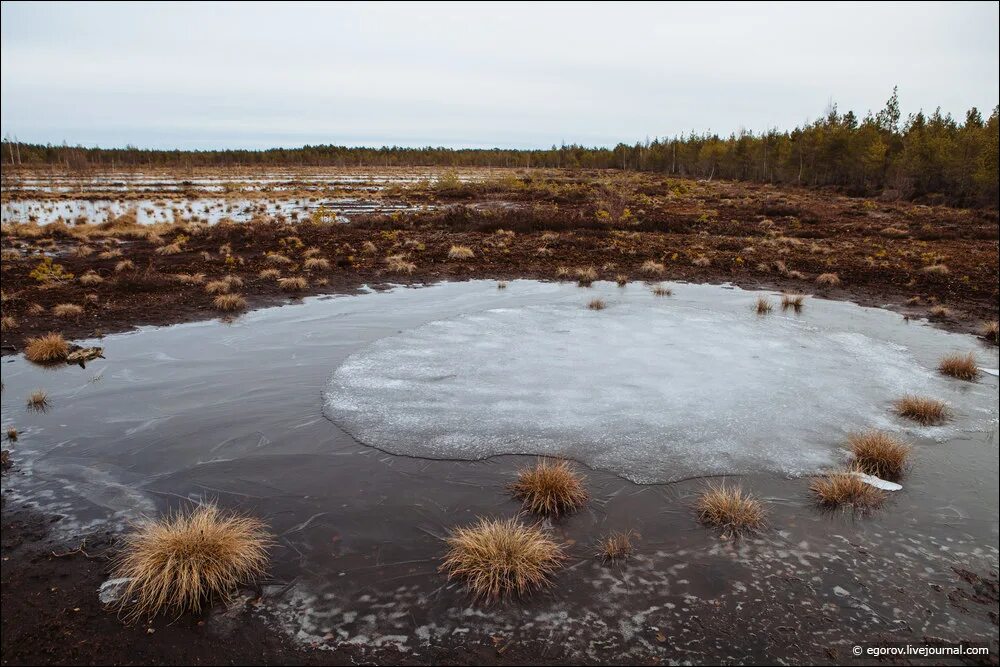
{"x": 38, "y": 400}
{"x": 550, "y": 488}
{"x": 229, "y": 303}
{"x": 498, "y": 558}
{"x": 621, "y": 279}
{"x": 597, "y": 304}
{"x": 937, "y": 269}
{"x": 923, "y": 410}
{"x": 172, "y": 249}
{"x": 183, "y": 561}
{"x": 660, "y": 290}
{"x": 7, "y": 323}
{"x": 585, "y": 276}
{"x": 460, "y": 252}
{"x": 828, "y": 279}
{"x": 961, "y": 366}
{"x": 217, "y": 286}
{"x": 47, "y": 349}
{"x": 940, "y": 312}
{"x": 12, "y": 434}
{"x": 269, "y": 274}
{"x": 843, "y": 488}
{"x": 701, "y": 261}
{"x": 652, "y": 269}
{"x": 763, "y": 305}
{"x": 276, "y": 258}
{"x": 793, "y": 301}
{"x": 293, "y": 284}
{"x": 502, "y": 284}
{"x": 398, "y": 264}
{"x": 880, "y": 454}
{"x": 990, "y": 331}
{"x": 67, "y": 310}
{"x": 617, "y": 546}
{"x": 124, "y": 265}
{"x": 90, "y": 278}
{"x": 729, "y": 508}
{"x": 316, "y": 264}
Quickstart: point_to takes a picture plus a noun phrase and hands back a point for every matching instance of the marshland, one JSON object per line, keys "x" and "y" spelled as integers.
{"x": 333, "y": 351}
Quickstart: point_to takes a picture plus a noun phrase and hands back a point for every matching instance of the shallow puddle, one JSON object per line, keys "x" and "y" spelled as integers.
{"x": 235, "y": 412}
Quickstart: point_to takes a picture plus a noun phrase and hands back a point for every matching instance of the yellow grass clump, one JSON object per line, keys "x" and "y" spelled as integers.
{"x": 276, "y": 258}
{"x": 38, "y": 400}
{"x": 651, "y": 268}
{"x": 50, "y": 348}
{"x": 701, "y": 261}
{"x": 500, "y": 558}
{"x": 399, "y": 264}
{"x": 550, "y": 488}
{"x": 763, "y": 305}
{"x": 937, "y": 269}
{"x": 90, "y": 278}
{"x": 621, "y": 279}
{"x": 990, "y": 331}
{"x": 597, "y": 304}
{"x": 269, "y": 274}
{"x": 660, "y": 290}
{"x": 7, "y": 323}
{"x": 585, "y": 276}
{"x": 180, "y": 562}
{"x": 616, "y": 546}
{"x": 961, "y": 366}
{"x": 316, "y": 264}
{"x": 729, "y": 508}
{"x": 793, "y": 301}
{"x": 460, "y": 252}
{"x": 171, "y": 249}
{"x": 67, "y": 310}
{"x": 828, "y": 279}
{"x": 230, "y": 303}
{"x": 880, "y": 454}
{"x": 845, "y": 488}
{"x": 293, "y": 284}
{"x": 924, "y": 411}
{"x": 124, "y": 265}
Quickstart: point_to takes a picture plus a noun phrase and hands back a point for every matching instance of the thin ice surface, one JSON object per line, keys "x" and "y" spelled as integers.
{"x": 652, "y": 393}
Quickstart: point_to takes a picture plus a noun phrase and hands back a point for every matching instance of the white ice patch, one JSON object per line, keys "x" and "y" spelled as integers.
{"x": 654, "y": 393}
{"x": 878, "y": 482}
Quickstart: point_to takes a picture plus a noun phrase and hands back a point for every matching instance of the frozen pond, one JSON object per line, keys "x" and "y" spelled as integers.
{"x": 234, "y": 412}
{"x": 650, "y": 388}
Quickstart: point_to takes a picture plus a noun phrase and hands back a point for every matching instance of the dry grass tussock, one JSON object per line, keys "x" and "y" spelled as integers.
{"x": 124, "y": 265}
{"x": 597, "y": 304}
{"x": 550, "y": 488}
{"x": 399, "y": 264}
{"x": 763, "y": 305}
{"x": 585, "y": 276}
{"x": 229, "y": 303}
{"x": 47, "y": 349}
{"x": 840, "y": 489}
{"x": 90, "y": 278}
{"x": 828, "y": 279}
{"x": 180, "y": 562}
{"x": 269, "y": 274}
{"x": 617, "y": 546}
{"x": 38, "y": 400}
{"x": 293, "y": 284}
{"x": 660, "y": 290}
{"x": 937, "y": 269}
{"x": 923, "y": 410}
{"x": 729, "y": 508}
{"x": 67, "y": 310}
{"x": 621, "y": 279}
{"x": 460, "y": 252}
{"x": 316, "y": 264}
{"x": 990, "y": 331}
{"x": 651, "y": 268}
{"x": 793, "y": 301}
{"x": 7, "y": 323}
{"x": 880, "y": 454}
{"x": 500, "y": 558}
{"x": 701, "y": 261}
{"x": 961, "y": 366}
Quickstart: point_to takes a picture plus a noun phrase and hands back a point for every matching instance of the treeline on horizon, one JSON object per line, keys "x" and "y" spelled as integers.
{"x": 926, "y": 156}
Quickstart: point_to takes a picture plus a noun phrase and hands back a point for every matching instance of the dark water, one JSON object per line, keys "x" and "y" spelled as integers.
{"x": 234, "y": 412}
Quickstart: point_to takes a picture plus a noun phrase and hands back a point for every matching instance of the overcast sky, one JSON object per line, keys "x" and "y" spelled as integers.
{"x": 256, "y": 75}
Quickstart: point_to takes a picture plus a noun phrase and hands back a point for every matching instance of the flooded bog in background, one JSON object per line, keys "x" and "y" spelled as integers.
{"x": 235, "y": 412}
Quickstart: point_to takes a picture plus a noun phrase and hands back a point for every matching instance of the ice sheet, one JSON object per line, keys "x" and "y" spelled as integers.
{"x": 654, "y": 393}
